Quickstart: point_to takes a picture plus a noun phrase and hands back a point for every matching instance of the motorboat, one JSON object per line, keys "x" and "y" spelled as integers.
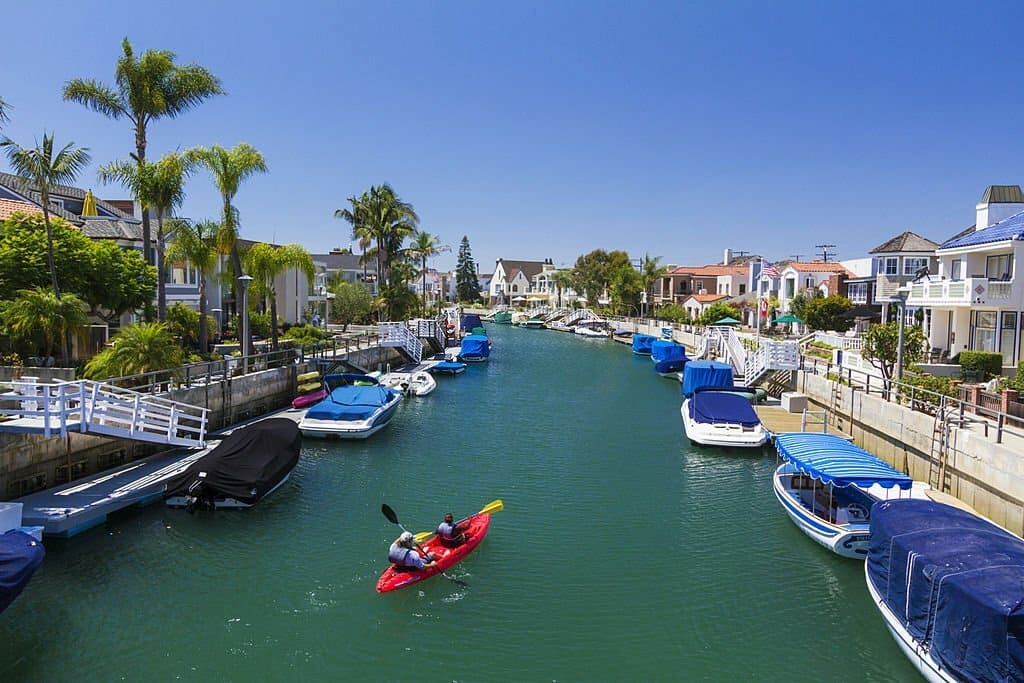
{"x": 948, "y": 586}
{"x": 669, "y": 357}
{"x": 705, "y": 373}
{"x": 642, "y": 344}
{"x": 448, "y": 367}
{"x": 476, "y": 348}
{"x": 723, "y": 416}
{"x": 357, "y": 406}
{"x": 21, "y": 553}
{"x": 560, "y": 326}
{"x": 594, "y": 328}
{"x": 503, "y": 318}
{"x": 245, "y": 467}
{"x": 828, "y": 486}
{"x": 470, "y": 321}
{"x": 416, "y": 383}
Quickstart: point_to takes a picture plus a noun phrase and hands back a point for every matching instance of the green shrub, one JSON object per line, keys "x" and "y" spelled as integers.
{"x": 945, "y": 386}
{"x": 985, "y": 363}
{"x": 305, "y": 334}
{"x": 259, "y": 325}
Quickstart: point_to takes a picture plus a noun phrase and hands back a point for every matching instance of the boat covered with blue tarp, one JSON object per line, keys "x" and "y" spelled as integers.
{"x": 666, "y": 349}
{"x": 833, "y": 460}
{"x": 715, "y": 405}
{"x": 356, "y": 407}
{"x": 469, "y": 321}
{"x": 476, "y": 348}
{"x": 20, "y": 557}
{"x": 642, "y": 344}
{"x": 950, "y": 586}
{"x": 705, "y": 373}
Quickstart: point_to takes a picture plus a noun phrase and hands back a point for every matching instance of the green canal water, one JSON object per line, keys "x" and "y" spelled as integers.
{"x": 623, "y": 554}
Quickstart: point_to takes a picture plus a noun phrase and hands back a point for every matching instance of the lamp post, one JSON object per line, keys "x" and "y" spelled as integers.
{"x": 243, "y": 286}
{"x": 216, "y": 314}
{"x": 643, "y": 303}
{"x": 901, "y": 302}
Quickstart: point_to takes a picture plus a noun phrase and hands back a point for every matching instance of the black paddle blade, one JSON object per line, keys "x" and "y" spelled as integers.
{"x": 389, "y": 513}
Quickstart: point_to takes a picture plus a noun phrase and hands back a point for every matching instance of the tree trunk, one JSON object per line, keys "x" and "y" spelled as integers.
{"x": 273, "y": 320}
{"x": 161, "y": 270}
{"x": 49, "y": 245}
{"x": 424, "y": 286}
{"x": 204, "y": 344}
{"x": 140, "y": 153}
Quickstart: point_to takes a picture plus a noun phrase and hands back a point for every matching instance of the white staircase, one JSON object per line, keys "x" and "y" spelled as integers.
{"x": 427, "y": 328}
{"x": 556, "y": 314}
{"x": 399, "y": 336}
{"x": 100, "y": 408}
{"x": 750, "y": 366}
{"x": 577, "y": 315}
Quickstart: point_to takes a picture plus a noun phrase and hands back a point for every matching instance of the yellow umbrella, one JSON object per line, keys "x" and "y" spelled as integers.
{"x": 89, "y": 204}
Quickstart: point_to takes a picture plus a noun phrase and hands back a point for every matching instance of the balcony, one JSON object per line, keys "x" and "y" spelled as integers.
{"x": 976, "y": 291}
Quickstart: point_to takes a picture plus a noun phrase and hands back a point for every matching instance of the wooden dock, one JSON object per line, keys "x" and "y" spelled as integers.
{"x": 777, "y": 420}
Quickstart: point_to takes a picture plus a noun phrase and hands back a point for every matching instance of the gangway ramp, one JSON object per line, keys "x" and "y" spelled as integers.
{"x": 100, "y": 408}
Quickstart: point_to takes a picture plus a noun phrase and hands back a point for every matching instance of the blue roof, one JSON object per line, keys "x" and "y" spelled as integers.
{"x": 833, "y": 459}
{"x": 1011, "y": 228}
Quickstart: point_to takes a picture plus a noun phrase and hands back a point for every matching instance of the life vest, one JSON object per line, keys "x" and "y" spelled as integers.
{"x": 398, "y": 554}
{"x": 446, "y": 531}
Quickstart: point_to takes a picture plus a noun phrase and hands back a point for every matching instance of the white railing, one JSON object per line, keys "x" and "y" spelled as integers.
{"x": 975, "y": 290}
{"x": 839, "y": 341}
{"x": 431, "y": 329}
{"x": 398, "y": 335}
{"x": 736, "y": 353}
{"x": 580, "y": 314}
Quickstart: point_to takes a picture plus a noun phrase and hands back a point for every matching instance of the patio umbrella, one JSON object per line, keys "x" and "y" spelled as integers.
{"x": 89, "y": 204}
{"x": 519, "y": 298}
{"x": 788, "y": 318}
{"x": 727, "y": 321}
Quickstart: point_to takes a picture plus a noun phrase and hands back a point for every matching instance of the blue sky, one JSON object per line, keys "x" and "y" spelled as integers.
{"x": 547, "y": 129}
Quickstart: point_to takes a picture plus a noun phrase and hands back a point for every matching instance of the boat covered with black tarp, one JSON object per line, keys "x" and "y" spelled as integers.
{"x": 241, "y": 470}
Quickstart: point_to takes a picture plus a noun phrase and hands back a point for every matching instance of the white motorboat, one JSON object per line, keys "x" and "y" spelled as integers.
{"x": 593, "y": 329}
{"x": 357, "y": 406}
{"x": 418, "y": 383}
{"x": 827, "y": 486}
{"x": 723, "y": 416}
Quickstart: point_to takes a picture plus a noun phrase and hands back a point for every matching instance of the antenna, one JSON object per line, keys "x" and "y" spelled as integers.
{"x": 824, "y": 250}
{"x": 796, "y": 257}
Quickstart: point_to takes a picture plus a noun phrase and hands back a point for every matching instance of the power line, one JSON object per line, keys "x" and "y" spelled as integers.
{"x": 824, "y": 250}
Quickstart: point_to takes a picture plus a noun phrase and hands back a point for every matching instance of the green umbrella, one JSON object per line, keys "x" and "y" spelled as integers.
{"x": 788, "y": 318}
{"x": 727, "y": 321}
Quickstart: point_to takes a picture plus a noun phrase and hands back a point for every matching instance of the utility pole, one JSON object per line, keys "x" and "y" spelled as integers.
{"x": 796, "y": 257}
{"x": 824, "y": 250}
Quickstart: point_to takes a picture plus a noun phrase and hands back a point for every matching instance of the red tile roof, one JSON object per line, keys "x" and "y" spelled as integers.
{"x": 709, "y": 271}
{"x": 708, "y": 298}
{"x": 9, "y": 207}
{"x": 818, "y": 267}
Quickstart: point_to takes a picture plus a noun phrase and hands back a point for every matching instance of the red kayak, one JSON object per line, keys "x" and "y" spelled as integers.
{"x": 393, "y": 579}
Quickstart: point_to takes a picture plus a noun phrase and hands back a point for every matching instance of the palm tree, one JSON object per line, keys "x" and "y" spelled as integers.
{"x": 54, "y": 317}
{"x": 650, "y": 273}
{"x": 137, "y": 349}
{"x": 196, "y": 244}
{"x": 562, "y": 279}
{"x": 44, "y": 170}
{"x": 264, "y": 262}
{"x": 4, "y": 118}
{"x": 148, "y": 88}
{"x": 426, "y": 246}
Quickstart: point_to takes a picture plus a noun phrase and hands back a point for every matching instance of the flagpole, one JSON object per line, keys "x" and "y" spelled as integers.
{"x": 757, "y": 310}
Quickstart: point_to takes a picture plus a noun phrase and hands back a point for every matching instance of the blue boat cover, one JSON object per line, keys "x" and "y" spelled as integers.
{"x": 663, "y": 349}
{"x": 448, "y": 366}
{"x": 469, "y": 321}
{"x": 351, "y": 402}
{"x": 836, "y": 461}
{"x": 20, "y": 556}
{"x": 956, "y": 583}
{"x": 711, "y": 407}
{"x": 475, "y": 346}
{"x": 642, "y": 343}
{"x": 705, "y": 373}
{"x": 666, "y": 366}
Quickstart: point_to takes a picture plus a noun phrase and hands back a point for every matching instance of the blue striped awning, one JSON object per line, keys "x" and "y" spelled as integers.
{"x": 833, "y": 459}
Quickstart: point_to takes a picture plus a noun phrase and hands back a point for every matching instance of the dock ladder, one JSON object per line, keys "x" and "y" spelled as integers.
{"x": 813, "y": 418}
{"x": 947, "y": 421}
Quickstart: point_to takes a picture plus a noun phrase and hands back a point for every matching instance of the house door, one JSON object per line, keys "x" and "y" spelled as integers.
{"x": 950, "y": 335}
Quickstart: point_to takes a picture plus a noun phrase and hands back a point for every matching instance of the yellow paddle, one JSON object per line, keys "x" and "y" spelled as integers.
{"x": 489, "y": 509}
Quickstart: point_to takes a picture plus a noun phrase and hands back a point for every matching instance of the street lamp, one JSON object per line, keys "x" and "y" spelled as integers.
{"x": 243, "y": 286}
{"x": 216, "y": 314}
{"x": 901, "y": 302}
{"x": 643, "y": 303}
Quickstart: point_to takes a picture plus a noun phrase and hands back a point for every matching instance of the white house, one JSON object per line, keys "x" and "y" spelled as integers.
{"x": 798, "y": 276}
{"x": 696, "y": 304}
{"x": 975, "y": 302}
{"x": 511, "y": 279}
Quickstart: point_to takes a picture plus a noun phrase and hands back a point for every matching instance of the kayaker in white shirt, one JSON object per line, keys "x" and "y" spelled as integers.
{"x": 404, "y": 554}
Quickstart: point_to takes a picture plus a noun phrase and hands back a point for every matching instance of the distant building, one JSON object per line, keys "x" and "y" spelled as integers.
{"x": 510, "y": 282}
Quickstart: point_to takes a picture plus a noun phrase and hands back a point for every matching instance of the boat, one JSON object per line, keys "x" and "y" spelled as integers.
{"x": 642, "y": 344}
{"x": 503, "y": 318}
{"x": 394, "y": 578}
{"x": 448, "y": 367}
{"x": 20, "y": 557}
{"x": 534, "y": 323}
{"x": 244, "y": 468}
{"x": 476, "y": 348}
{"x": 948, "y": 586}
{"x": 705, "y": 373}
{"x": 417, "y": 383}
{"x": 357, "y": 406}
{"x": 723, "y": 416}
{"x": 827, "y": 486}
{"x": 594, "y": 328}
{"x": 469, "y": 321}
{"x": 669, "y": 357}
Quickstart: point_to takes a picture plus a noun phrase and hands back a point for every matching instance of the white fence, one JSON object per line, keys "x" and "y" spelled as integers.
{"x": 398, "y": 335}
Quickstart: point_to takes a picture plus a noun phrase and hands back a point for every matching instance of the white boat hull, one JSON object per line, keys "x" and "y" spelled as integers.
{"x": 351, "y": 429}
{"x": 917, "y": 655}
{"x": 722, "y": 434}
{"x": 846, "y": 540}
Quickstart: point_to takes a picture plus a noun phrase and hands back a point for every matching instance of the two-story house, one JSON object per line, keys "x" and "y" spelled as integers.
{"x": 799, "y": 276}
{"x": 975, "y": 301}
{"x": 898, "y": 262}
{"x": 511, "y": 280}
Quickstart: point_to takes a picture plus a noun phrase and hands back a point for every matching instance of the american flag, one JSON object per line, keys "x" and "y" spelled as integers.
{"x": 769, "y": 269}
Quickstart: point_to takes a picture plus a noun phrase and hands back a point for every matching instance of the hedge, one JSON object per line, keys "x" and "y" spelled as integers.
{"x": 988, "y": 363}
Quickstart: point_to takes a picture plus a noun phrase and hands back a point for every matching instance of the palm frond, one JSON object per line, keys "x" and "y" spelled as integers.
{"x": 95, "y": 95}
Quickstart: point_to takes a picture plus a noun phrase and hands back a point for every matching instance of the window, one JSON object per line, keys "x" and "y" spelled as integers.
{"x": 1006, "y": 336}
{"x": 912, "y": 264}
{"x": 984, "y": 330}
{"x": 743, "y": 288}
{"x": 999, "y": 267}
{"x": 857, "y": 292}
{"x": 889, "y": 266}
{"x": 808, "y": 283}
{"x": 790, "y": 287}
{"x": 698, "y": 285}
{"x": 956, "y": 269}
{"x": 515, "y": 288}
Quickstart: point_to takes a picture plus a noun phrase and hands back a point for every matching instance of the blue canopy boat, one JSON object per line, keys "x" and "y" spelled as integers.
{"x": 827, "y": 486}
{"x": 669, "y": 357}
{"x": 949, "y": 586}
{"x": 705, "y": 373}
{"x": 476, "y": 348}
{"x": 20, "y": 556}
{"x": 723, "y": 416}
{"x": 642, "y": 344}
{"x": 469, "y": 321}
{"x": 356, "y": 407}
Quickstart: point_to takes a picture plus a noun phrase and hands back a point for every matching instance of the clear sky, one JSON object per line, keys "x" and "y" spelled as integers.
{"x": 547, "y": 129}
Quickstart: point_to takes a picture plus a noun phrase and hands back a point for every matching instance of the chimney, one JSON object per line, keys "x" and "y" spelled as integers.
{"x": 998, "y": 203}
{"x": 726, "y": 257}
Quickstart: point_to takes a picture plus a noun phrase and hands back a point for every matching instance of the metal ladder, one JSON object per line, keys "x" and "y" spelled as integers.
{"x": 946, "y": 420}
{"x": 812, "y": 418}
{"x": 836, "y": 404}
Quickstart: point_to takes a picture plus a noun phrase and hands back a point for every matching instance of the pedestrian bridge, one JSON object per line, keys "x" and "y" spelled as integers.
{"x": 100, "y": 408}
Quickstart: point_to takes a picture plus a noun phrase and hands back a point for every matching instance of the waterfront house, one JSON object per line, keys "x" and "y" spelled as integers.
{"x": 801, "y": 276}
{"x": 975, "y": 301}
{"x": 696, "y": 304}
{"x": 511, "y": 279}
{"x": 731, "y": 277}
{"x": 898, "y": 262}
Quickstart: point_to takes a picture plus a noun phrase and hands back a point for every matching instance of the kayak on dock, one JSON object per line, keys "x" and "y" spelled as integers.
{"x": 394, "y": 578}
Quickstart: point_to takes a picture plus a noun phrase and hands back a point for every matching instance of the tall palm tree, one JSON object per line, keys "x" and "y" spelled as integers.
{"x": 265, "y": 262}
{"x": 650, "y": 272}
{"x": 562, "y": 279}
{"x": 4, "y": 118}
{"x": 53, "y": 317}
{"x": 147, "y": 88}
{"x": 356, "y": 215}
{"x": 424, "y": 246}
{"x": 44, "y": 170}
{"x": 196, "y": 244}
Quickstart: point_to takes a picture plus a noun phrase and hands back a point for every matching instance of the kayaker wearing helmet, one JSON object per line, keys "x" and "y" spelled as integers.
{"x": 405, "y": 555}
{"x": 450, "y": 534}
